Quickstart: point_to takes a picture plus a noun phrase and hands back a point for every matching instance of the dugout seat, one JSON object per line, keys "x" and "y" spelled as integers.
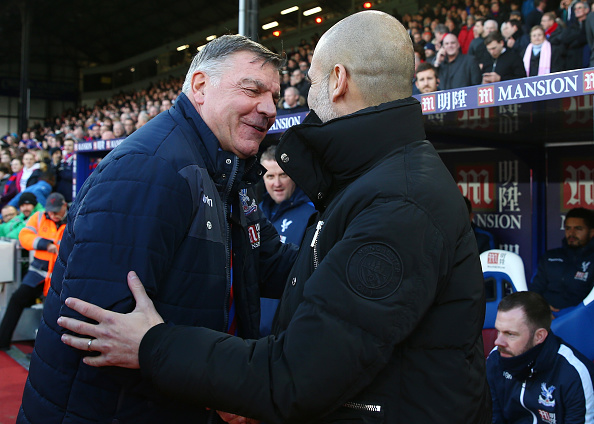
{"x": 503, "y": 273}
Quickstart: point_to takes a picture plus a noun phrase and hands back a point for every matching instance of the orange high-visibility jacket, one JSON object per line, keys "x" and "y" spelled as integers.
{"x": 38, "y": 234}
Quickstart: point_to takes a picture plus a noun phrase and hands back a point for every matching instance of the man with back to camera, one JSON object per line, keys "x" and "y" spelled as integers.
{"x": 565, "y": 275}
{"x": 534, "y": 376}
{"x": 288, "y": 209}
{"x": 174, "y": 202}
{"x": 382, "y": 313}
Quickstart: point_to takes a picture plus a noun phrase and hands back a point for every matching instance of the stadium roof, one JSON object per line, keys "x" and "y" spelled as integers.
{"x": 100, "y": 33}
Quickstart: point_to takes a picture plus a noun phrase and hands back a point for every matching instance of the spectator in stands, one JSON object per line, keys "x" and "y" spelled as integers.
{"x": 590, "y": 36}
{"x": 178, "y": 189}
{"x": 535, "y": 16}
{"x": 565, "y": 276}
{"x": 440, "y": 32}
{"x": 534, "y": 376}
{"x": 485, "y": 240}
{"x": 289, "y": 209}
{"x": 4, "y": 178}
{"x": 11, "y": 186}
{"x": 129, "y": 126}
{"x": 94, "y": 132}
{"x": 537, "y": 59}
{"x": 41, "y": 189}
{"x": 427, "y": 79}
{"x": 477, "y": 47}
{"x": 506, "y": 64}
{"x": 143, "y": 118}
{"x": 28, "y": 205}
{"x": 515, "y": 39}
{"x": 291, "y": 102}
{"x": 40, "y": 235}
{"x": 553, "y": 33}
{"x": 575, "y": 39}
{"x": 466, "y": 34}
{"x": 8, "y": 212}
{"x": 118, "y": 130}
{"x": 300, "y": 83}
{"x": 107, "y": 135}
{"x": 368, "y": 307}
{"x": 455, "y": 69}
{"x": 27, "y": 172}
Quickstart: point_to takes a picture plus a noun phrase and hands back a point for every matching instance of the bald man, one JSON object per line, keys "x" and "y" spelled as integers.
{"x": 382, "y": 314}
{"x": 455, "y": 68}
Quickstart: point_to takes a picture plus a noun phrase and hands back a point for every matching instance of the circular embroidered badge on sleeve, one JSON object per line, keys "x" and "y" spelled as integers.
{"x": 374, "y": 271}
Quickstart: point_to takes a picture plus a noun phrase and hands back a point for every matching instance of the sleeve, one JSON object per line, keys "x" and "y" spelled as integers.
{"x": 28, "y": 236}
{"x": 578, "y": 396}
{"x": 339, "y": 339}
{"x": 276, "y": 260}
{"x": 498, "y": 417}
{"x": 132, "y": 216}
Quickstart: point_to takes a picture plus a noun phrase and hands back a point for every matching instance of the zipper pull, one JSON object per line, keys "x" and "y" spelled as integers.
{"x": 315, "y": 237}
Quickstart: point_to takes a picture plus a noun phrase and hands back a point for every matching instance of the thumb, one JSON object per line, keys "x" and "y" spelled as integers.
{"x": 137, "y": 289}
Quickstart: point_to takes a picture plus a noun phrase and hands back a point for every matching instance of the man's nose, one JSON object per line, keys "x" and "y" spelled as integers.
{"x": 267, "y": 106}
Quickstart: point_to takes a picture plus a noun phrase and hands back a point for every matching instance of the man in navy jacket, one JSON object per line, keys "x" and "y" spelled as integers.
{"x": 289, "y": 209}
{"x": 535, "y": 378}
{"x": 565, "y": 276}
{"x": 174, "y": 202}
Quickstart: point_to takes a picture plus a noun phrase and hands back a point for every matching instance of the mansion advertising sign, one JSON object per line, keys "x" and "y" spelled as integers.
{"x": 545, "y": 87}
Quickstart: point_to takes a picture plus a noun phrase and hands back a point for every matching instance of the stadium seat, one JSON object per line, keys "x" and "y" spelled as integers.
{"x": 573, "y": 326}
{"x": 503, "y": 273}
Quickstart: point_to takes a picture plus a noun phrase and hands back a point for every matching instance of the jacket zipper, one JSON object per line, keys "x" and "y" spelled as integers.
{"x": 314, "y": 243}
{"x": 227, "y": 210}
{"x": 522, "y": 392}
{"x": 363, "y": 407}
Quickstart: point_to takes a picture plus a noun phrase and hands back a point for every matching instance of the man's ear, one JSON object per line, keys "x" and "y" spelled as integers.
{"x": 199, "y": 80}
{"x": 339, "y": 82}
{"x": 540, "y": 335}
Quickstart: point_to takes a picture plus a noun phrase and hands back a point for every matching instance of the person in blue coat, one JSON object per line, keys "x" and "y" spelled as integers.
{"x": 534, "y": 376}
{"x": 565, "y": 276}
{"x": 175, "y": 203}
{"x": 289, "y": 210}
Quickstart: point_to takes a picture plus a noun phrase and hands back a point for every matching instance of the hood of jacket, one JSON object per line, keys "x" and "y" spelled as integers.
{"x": 323, "y": 157}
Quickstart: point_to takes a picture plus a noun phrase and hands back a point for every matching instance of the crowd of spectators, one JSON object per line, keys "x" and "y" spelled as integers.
{"x": 456, "y": 43}
{"x": 499, "y": 40}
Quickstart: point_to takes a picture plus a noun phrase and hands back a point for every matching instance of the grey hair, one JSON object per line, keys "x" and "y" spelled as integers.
{"x": 212, "y": 58}
{"x": 269, "y": 154}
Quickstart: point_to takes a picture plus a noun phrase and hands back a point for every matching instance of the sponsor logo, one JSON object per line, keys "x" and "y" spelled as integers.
{"x": 478, "y": 185}
{"x": 207, "y": 200}
{"x": 254, "y": 234}
{"x": 428, "y": 103}
{"x": 546, "y": 395}
{"x": 486, "y": 95}
{"x": 547, "y": 417}
{"x": 555, "y": 259}
{"x": 284, "y": 123}
{"x": 582, "y": 276}
{"x": 578, "y": 184}
{"x": 588, "y": 81}
{"x": 539, "y": 88}
{"x": 507, "y": 375}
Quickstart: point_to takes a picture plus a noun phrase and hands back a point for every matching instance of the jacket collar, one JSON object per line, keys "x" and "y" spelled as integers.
{"x": 322, "y": 157}
{"x": 223, "y": 167}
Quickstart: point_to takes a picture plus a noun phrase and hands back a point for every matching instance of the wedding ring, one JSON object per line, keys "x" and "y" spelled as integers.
{"x": 89, "y": 344}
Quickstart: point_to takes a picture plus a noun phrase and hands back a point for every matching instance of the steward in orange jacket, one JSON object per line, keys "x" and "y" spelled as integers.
{"x": 42, "y": 233}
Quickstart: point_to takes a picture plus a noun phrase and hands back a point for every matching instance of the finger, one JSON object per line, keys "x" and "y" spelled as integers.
{"x": 80, "y": 343}
{"x": 137, "y": 289}
{"x": 96, "y": 361}
{"x": 87, "y": 309}
{"x": 79, "y": 327}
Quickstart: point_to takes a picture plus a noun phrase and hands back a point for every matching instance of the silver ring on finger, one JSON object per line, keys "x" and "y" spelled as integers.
{"x": 89, "y": 345}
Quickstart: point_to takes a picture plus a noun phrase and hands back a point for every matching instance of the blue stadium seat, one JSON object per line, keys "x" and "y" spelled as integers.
{"x": 576, "y": 326}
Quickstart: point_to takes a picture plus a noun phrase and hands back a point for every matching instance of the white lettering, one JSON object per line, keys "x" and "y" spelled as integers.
{"x": 504, "y": 221}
